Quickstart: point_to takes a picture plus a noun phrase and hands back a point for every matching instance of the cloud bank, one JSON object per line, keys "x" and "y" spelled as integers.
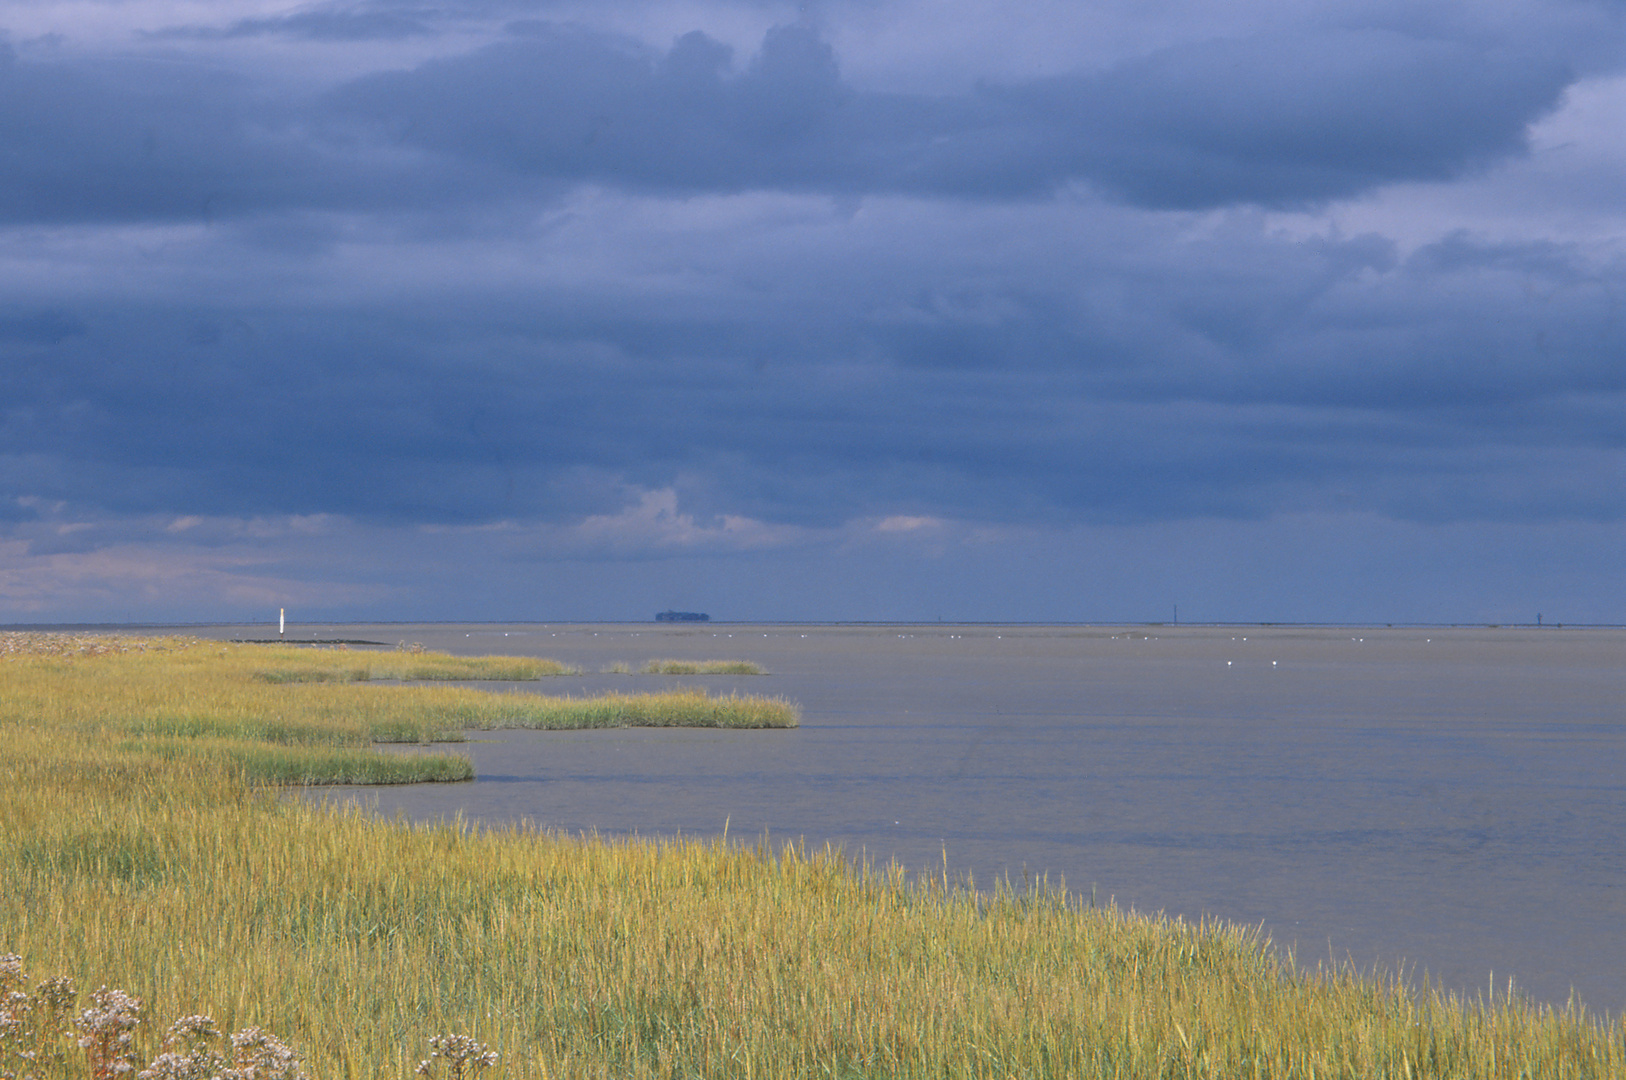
{"x": 641, "y": 293}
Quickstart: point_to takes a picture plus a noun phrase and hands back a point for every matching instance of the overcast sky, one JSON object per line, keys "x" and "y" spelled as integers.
{"x": 866, "y": 309}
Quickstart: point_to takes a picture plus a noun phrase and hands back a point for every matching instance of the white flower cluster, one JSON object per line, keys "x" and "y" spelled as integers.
{"x": 260, "y": 1055}
{"x": 186, "y": 1052}
{"x": 106, "y": 1032}
{"x": 15, "y": 1007}
{"x": 30, "y": 1022}
{"x": 465, "y": 1058}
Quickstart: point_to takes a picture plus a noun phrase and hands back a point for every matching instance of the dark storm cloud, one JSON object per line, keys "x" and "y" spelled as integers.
{"x": 39, "y": 327}
{"x": 568, "y": 103}
{"x": 319, "y": 25}
{"x": 132, "y": 140}
{"x": 1466, "y": 381}
{"x": 168, "y": 139}
{"x": 1282, "y": 121}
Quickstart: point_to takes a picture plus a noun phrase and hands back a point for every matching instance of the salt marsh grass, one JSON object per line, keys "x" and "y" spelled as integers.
{"x": 36, "y": 1023}
{"x": 284, "y": 664}
{"x": 588, "y": 957}
{"x": 449, "y": 707}
{"x": 172, "y": 698}
{"x": 702, "y": 667}
{"x": 190, "y": 887}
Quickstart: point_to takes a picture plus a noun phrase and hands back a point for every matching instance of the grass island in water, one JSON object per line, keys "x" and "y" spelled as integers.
{"x": 142, "y": 848}
{"x": 702, "y": 667}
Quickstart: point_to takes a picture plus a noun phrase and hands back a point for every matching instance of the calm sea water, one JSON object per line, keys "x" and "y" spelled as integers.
{"x": 1448, "y": 800}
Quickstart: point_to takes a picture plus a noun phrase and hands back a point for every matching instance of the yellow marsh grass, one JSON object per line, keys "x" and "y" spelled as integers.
{"x": 184, "y": 697}
{"x": 284, "y": 664}
{"x": 702, "y": 667}
{"x": 356, "y": 938}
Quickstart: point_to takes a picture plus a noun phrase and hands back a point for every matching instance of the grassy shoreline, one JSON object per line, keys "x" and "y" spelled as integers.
{"x": 187, "y": 882}
{"x": 282, "y": 714}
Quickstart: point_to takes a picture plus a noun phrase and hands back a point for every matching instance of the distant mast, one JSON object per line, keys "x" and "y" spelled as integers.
{"x": 682, "y": 616}
{"x": 282, "y": 620}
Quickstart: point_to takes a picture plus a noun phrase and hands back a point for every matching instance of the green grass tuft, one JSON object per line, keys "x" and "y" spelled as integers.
{"x": 293, "y": 665}
{"x": 702, "y": 667}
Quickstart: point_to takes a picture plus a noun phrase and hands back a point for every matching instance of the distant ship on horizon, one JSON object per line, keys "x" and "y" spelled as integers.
{"x": 682, "y": 616}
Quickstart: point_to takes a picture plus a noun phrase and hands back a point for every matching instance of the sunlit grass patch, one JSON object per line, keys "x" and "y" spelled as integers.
{"x": 673, "y": 708}
{"x": 702, "y": 667}
{"x": 439, "y": 713}
{"x": 288, "y": 664}
{"x": 258, "y": 763}
{"x": 210, "y": 703}
{"x": 355, "y": 937}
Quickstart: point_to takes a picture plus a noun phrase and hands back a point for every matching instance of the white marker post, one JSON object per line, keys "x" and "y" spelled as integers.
{"x": 282, "y": 620}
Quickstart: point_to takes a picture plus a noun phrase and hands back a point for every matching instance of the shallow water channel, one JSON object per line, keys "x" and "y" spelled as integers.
{"x": 1451, "y": 800}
